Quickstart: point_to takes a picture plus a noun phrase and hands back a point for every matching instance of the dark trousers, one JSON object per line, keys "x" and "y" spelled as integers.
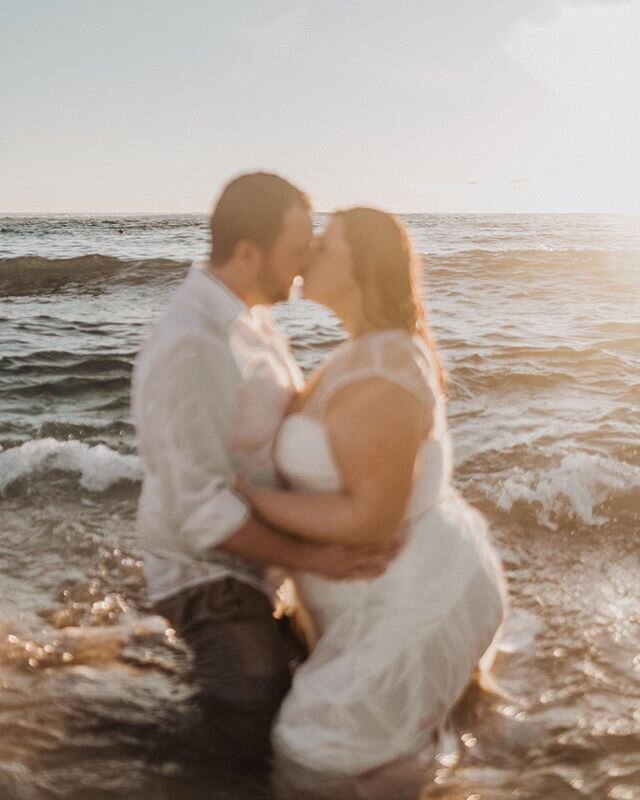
{"x": 243, "y": 660}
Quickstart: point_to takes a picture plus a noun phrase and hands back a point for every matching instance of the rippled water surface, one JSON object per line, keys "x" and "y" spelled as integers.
{"x": 538, "y": 321}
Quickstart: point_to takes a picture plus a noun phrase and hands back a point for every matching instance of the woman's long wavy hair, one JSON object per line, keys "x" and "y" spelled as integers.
{"x": 385, "y": 269}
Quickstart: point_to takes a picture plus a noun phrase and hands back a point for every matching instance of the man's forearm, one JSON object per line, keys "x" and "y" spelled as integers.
{"x": 256, "y": 542}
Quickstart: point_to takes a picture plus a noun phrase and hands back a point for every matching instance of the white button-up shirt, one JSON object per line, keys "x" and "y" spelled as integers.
{"x": 210, "y": 388}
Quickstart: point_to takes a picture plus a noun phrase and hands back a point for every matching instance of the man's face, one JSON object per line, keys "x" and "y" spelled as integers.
{"x": 288, "y": 256}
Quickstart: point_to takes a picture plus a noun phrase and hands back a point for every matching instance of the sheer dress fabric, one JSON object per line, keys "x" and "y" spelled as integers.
{"x": 393, "y": 654}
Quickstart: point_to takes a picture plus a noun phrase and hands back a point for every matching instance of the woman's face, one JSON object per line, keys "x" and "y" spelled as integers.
{"x": 329, "y": 276}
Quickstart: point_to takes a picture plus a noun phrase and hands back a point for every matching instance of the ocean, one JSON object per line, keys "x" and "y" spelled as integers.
{"x": 537, "y": 318}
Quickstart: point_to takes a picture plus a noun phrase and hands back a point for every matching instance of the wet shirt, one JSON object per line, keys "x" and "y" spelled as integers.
{"x": 210, "y": 388}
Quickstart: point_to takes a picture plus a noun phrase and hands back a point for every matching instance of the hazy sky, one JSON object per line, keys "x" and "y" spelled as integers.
{"x": 415, "y": 105}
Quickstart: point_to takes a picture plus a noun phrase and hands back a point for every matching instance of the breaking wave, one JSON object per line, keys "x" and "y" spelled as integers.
{"x": 571, "y": 489}
{"x": 98, "y": 467}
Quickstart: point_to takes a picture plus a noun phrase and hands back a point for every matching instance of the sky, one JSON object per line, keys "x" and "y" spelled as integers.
{"x": 411, "y": 105}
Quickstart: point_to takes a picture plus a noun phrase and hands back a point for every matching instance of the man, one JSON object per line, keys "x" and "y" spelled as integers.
{"x": 211, "y": 386}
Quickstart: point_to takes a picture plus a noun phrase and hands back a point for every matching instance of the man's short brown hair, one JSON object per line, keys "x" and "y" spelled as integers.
{"x": 252, "y": 208}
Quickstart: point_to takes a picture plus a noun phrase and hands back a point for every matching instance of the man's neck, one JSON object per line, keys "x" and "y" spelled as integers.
{"x": 225, "y": 276}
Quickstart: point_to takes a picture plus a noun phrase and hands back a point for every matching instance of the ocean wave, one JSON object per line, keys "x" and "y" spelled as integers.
{"x": 98, "y": 467}
{"x": 571, "y": 489}
{"x": 529, "y": 261}
{"x": 91, "y": 261}
{"x": 28, "y": 275}
{"x": 504, "y": 380}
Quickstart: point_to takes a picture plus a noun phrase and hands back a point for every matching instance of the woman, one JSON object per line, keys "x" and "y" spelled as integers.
{"x": 366, "y": 453}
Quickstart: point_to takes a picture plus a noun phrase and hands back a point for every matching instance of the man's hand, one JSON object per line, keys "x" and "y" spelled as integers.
{"x": 342, "y": 563}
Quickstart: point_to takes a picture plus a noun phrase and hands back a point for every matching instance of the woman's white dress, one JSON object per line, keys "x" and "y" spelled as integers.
{"x": 394, "y": 654}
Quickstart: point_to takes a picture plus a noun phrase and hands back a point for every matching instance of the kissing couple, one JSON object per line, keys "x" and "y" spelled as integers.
{"x": 343, "y": 482}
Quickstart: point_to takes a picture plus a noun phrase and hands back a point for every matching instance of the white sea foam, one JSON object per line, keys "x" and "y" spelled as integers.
{"x": 572, "y": 488}
{"x": 98, "y": 466}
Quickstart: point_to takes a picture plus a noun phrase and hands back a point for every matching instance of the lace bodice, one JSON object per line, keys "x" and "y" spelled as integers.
{"x": 303, "y": 452}
{"x": 393, "y": 355}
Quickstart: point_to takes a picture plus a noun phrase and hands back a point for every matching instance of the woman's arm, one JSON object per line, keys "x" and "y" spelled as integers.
{"x": 375, "y": 429}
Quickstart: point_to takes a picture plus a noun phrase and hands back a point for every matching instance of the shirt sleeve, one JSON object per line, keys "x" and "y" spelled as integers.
{"x": 196, "y": 409}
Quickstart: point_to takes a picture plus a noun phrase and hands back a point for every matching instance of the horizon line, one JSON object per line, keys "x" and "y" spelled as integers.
{"x": 318, "y": 211}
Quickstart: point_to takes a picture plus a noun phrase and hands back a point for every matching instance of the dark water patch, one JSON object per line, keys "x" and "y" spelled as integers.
{"x": 66, "y": 360}
{"x": 118, "y": 405}
{"x": 64, "y": 328}
{"x": 120, "y": 429}
{"x": 70, "y": 386}
{"x": 103, "y": 364}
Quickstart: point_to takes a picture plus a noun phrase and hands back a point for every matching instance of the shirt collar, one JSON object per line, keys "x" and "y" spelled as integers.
{"x": 219, "y": 300}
